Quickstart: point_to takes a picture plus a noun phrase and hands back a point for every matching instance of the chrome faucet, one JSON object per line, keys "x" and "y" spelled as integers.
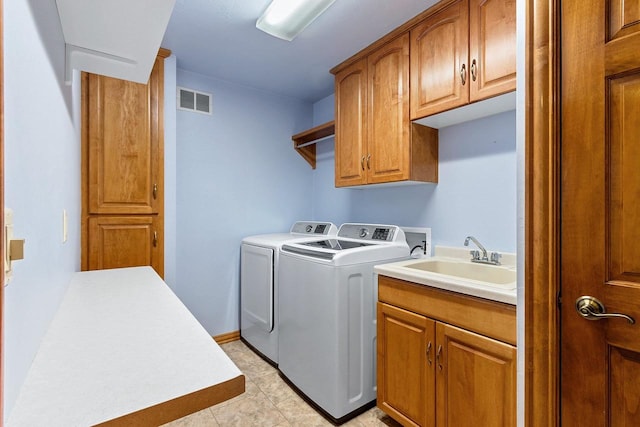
{"x": 484, "y": 259}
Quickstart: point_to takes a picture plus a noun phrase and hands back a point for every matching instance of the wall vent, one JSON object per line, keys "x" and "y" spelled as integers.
{"x": 192, "y": 100}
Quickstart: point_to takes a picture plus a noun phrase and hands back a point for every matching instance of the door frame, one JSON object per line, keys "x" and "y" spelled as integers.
{"x": 542, "y": 213}
{"x": 2, "y": 249}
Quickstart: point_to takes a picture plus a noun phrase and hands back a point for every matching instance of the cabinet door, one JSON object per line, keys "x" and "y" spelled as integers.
{"x": 476, "y": 379}
{"x": 351, "y": 131}
{"x": 406, "y": 362}
{"x": 123, "y": 125}
{"x": 116, "y": 242}
{"x": 439, "y": 55}
{"x": 492, "y": 47}
{"x": 388, "y": 113}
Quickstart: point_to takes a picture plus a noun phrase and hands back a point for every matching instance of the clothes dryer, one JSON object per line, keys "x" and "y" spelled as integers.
{"x": 259, "y": 257}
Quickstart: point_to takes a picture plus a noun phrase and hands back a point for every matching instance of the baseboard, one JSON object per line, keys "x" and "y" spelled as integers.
{"x": 228, "y": 337}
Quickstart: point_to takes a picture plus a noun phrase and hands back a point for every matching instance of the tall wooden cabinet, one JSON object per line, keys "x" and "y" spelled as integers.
{"x": 463, "y": 53}
{"x": 375, "y": 141}
{"x": 122, "y": 171}
{"x": 443, "y": 359}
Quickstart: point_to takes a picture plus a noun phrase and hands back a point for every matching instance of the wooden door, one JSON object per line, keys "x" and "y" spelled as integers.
{"x": 439, "y": 55}
{"x": 128, "y": 241}
{"x": 350, "y": 122}
{"x": 124, "y": 152}
{"x": 600, "y": 222}
{"x": 476, "y": 379}
{"x": 492, "y": 48}
{"x": 388, "y": 123}
{"x": 406, "y": 362}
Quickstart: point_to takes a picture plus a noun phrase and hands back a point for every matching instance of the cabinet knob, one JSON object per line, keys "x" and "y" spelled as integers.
{"x": 463, "y": 74}
{"x": 474, "y": 70}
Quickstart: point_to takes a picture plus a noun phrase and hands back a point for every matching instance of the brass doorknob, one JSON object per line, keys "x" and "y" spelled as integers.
{"x": 591, "y": 308}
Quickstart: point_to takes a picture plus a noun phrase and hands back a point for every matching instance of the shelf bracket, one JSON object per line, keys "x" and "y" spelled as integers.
{"x": 305, "y": 142}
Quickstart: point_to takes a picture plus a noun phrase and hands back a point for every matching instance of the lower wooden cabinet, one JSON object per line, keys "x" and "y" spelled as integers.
{"x": 406, "y": 375}
{"x": 127, "y": 241}
{"x": 432, "y": 373}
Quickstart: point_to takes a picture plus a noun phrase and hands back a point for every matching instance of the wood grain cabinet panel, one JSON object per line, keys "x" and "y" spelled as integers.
{"x": 375, "y": 141}
{"x": 124, "y": 145}
{"x": 492, "y": 48}
{"x": 122, "y": 171}
{"x": 436, "y": 373}
{"x": 476, "y": 379}
{"x": 463, "y": 53}
{"x": 406, "y": 353}
{"x": 129, "y": 241}
{"x": 439, "y": 61}
{"x": 350, "y": 124}
{"x": 388, "y": 112}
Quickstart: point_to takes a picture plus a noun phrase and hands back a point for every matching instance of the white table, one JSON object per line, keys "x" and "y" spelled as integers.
{"x": 123, "y": 350}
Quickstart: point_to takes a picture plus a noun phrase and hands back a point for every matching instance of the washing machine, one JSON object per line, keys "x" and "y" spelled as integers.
{"x": 259, "y": 257}
{"x": 327, "y": 325}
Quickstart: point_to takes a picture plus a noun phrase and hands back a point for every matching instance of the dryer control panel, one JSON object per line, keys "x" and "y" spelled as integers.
{"x": 313, "y": 228}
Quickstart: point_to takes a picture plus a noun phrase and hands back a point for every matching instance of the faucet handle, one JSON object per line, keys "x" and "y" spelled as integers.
{"x": 475, "y": 254}
{"x": 495, "y": 258}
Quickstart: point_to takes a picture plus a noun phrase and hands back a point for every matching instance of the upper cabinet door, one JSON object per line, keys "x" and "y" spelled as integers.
{"x": 350, "y": 118}
{"x": 388, "y": 114}
{"x": 439, "y": 61}
{"x": 124, "y": 144}
{"x": 492, "y": 47}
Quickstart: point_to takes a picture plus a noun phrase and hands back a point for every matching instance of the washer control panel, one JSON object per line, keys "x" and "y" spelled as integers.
{"x": 383, "y": 233}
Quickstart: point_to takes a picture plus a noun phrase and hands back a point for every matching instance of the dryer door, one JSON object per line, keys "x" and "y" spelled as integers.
{"x": 256, "y": 288}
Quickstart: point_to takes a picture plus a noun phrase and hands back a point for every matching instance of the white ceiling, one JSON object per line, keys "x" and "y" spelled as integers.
{"x": 218, "y": 38}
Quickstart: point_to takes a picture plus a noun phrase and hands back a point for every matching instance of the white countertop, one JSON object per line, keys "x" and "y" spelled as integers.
{"x": 120, "y": 342}
{"x": 398, "y": 270}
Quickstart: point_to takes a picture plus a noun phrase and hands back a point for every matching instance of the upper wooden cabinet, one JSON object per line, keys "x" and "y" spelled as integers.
{"x": 463, "y": 53}
{"x": 124, "y": 152}
{"x": 351, "y": 124}
{"x": 492, "y": 47}
{"x": 375, "y": 141}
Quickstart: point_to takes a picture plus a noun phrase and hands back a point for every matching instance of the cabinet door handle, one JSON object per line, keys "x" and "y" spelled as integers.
{"x": 438, "y": 361}
{"x": 474, "y": 70}
{"x": 155, "y": 239}
{"x": 463, "y": 74}
{"x": 369, "y": 161}
{"x": 362, "y": 163}
{"x": 429, "y": 361}
{"x": 155, "y": 191}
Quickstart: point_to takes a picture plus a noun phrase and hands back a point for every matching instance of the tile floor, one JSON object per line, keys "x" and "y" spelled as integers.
{"x": 268, "y": 401}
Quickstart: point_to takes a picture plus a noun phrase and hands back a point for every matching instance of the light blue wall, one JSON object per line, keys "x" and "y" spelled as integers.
{"x": 237, "y": 175}
{"x": 42, "y": 177}
{"x": 476, "y": 193}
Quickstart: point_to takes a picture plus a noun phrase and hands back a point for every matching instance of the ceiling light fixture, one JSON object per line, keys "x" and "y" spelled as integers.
{"x": 286, "y": 19}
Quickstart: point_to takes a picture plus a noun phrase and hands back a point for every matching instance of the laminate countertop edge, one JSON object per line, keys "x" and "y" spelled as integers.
{"x": 122, "y": 349}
